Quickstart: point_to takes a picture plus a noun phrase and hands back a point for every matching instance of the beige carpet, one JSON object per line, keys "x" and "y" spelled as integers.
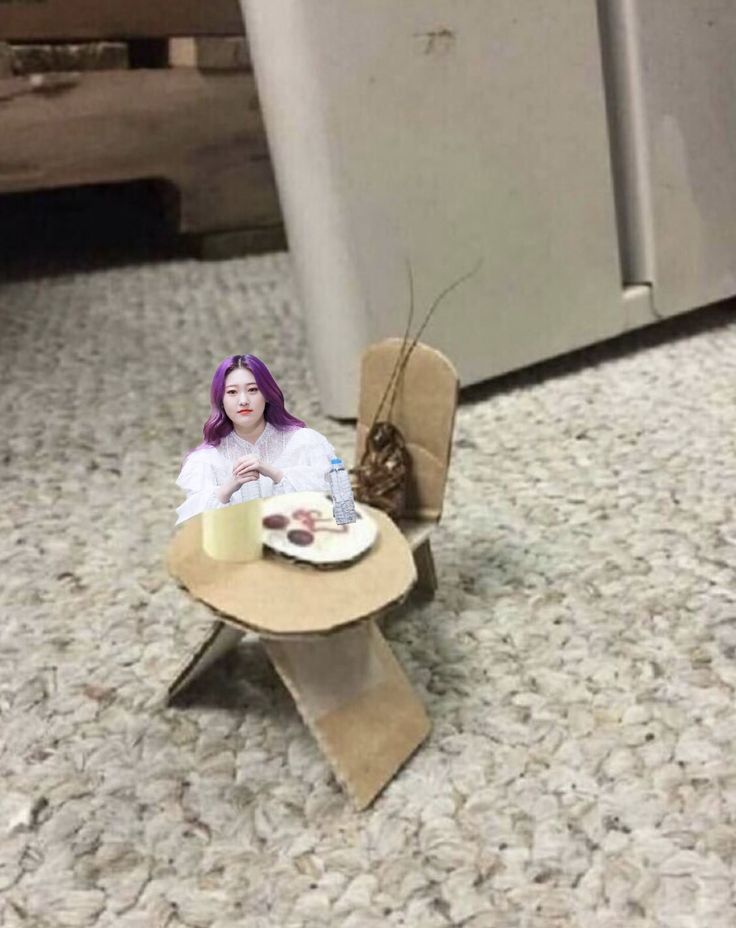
{"x": 579, "y": 662}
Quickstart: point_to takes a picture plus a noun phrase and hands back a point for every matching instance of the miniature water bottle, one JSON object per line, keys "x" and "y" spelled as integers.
{"x": 343, "y": 504}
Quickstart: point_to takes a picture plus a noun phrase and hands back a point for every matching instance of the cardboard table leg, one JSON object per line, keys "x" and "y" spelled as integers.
{"x": 357, "y": 701}
{"x": 218, "y": 641}
{"x": 426, "y": 574}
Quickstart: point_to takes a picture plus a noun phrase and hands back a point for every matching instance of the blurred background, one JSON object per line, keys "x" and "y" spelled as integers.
{"x": 130, "y": 129}
{"x": 580, "y": 156}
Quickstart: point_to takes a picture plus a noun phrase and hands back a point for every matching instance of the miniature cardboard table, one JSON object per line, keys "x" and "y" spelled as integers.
{"x": 318, "y": 629}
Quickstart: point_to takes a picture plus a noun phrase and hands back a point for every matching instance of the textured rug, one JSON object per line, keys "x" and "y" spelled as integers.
{"x": 578, "y": 663}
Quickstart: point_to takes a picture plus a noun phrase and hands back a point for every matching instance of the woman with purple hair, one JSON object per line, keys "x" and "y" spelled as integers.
{"x": 252, "y": 446}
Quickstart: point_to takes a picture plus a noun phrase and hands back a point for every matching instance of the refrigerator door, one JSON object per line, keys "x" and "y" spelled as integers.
{"x": 680, "y": 98}
{"x": 445, "y": 135}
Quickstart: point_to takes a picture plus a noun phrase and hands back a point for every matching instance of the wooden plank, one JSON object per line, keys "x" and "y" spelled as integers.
{"x": 89, "y": 56}
{"x": 201, "y": 132}
{"x": 6, "y": 60}
{"x": 51, "y": 20}
{"x": 220, "y": 246}
{"x": 208, "y": 53}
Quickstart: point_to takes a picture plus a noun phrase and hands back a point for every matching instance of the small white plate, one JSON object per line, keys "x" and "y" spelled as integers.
{"x": 301, "y": 526}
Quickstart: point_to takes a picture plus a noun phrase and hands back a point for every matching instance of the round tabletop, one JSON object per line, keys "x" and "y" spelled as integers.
{"x": 276, "y": 597}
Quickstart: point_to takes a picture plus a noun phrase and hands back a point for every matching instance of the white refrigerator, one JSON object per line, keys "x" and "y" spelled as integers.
{"x": 578, "y": 151}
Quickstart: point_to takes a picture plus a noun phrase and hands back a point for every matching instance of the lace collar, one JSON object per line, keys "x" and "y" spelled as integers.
{"x": 261, "y": 440}
{"x": 269, "y": 445}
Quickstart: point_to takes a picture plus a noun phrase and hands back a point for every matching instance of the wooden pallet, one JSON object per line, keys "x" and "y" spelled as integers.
{"x": 20, "y": 59}
{"x": 78, "y": 113}
{"x": 201, "y": 132}
{"x": 67, "y": 20}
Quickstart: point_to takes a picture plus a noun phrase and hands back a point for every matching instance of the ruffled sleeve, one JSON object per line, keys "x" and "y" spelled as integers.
{"x": 305, "y": 462}
{"x": 199, "y": 480}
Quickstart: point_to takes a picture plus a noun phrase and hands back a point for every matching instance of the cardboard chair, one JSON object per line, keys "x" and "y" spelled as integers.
{"x": 424, "y": 411}
{"x": 319, "y": 628}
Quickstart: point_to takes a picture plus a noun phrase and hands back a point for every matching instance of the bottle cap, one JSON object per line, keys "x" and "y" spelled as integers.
{"x": 336, "y": 461}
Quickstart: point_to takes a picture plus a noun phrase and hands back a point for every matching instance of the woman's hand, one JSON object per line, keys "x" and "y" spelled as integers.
{"x": 246, "y": 469}
{"x": 249, "y": 467}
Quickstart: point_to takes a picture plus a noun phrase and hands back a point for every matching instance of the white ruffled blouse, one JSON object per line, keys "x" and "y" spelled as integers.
{"x": 302, "y": 454}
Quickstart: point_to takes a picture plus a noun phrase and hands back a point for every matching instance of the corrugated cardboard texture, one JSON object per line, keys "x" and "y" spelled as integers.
{"x": 331, "y": 670}
{"x": 358, "y": 703}
{"x": 275, "y": 597}
{"x": 424, "y": 411}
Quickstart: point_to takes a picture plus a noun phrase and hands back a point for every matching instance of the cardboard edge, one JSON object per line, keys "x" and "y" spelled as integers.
{"x": 199, "y": 661}
{"x": 248, "y": 625}
{"x": 419, "y": 732}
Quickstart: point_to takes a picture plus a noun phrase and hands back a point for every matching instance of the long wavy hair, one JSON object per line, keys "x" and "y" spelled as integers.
{"x": 218, "y": 425}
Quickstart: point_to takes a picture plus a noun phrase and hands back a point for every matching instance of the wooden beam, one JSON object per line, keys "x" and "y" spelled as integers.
{"x": 55, "y": 20}
{"x": 88, "y": 56}
{"x": 208, "y": 53}
{"x": 219, "y": 246}
{"x": 201, "y": 132}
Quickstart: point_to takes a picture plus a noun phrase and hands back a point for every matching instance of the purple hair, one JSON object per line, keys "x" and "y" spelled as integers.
{"x": 218, "y": 425}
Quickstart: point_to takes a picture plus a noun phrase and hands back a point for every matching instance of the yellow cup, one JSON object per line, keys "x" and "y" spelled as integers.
{"x": 234, "y": 533}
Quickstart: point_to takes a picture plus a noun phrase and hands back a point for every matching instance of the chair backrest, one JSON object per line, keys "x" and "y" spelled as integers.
{"x": 424, "y": 411}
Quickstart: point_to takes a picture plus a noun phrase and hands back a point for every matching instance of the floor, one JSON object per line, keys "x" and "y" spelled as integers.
{"x": 578, "y": 662}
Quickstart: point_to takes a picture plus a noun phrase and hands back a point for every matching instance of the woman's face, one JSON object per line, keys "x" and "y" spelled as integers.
{"x": 243, "y": 402}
